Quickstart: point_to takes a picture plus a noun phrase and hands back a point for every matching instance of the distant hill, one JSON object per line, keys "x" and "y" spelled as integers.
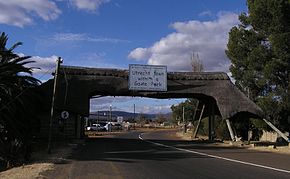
{"x": 128, "y": 115}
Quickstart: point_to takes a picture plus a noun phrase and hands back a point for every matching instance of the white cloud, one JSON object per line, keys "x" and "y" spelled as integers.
{"x": 140, "y": 54}
{"x": 205, "y": 13}
{"x": 69, "y": 37}
{"x": 74, "y": 37}
{"x": 103, "y": 103}
{"x": 94, "y": 60}
{"x": 21, "y": 12}
{"x": 156, "y": 109}
{"x": 143, "y": 105}
{"x": 90, "y": 5}
{"x": 208, "y": 39}
{"x": 46, "y": 64}
{"x": 42, "y": 66}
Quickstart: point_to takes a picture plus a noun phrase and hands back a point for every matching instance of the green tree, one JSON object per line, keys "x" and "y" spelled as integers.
{"x": 15, "y": 101}
{"x": 259, "y": 49}
{"x": 161, "y": 118}
{"x": 189, "y": 107}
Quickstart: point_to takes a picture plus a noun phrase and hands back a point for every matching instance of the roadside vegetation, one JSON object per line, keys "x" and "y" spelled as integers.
{"x": 259, "y": 51}
{"x": 17, "y": 105}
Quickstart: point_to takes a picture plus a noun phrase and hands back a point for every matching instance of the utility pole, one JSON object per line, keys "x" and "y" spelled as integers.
{"x": 110, "y": 113}
{"x": 98, "y": 117}
{"x": 58, "y": 62}
{"x": 134, "y": 113}
{"x": 110, "y": 123}
{"x": 184, "y": 126}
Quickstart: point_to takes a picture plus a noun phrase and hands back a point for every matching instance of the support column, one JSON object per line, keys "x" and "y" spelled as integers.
{"x": 195, "y": 110}
{"x": 78, "y": 131}
{"x": 82, "y": 129}
{"x": 277, "y": 130}
{"x": 230, "y": 130}
{"x": 211, "y": 132}
{"x": 199, "y": 120}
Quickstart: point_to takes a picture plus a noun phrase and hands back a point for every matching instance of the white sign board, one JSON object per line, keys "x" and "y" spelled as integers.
{"x": 147, "y": 78}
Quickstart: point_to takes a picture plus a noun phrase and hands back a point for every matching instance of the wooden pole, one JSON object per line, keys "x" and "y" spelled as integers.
{"x": 184, "y": 128}
{"x": 277, "y": 130}
{"x": 230, "y": 130}
{"x": 58, "y": 62}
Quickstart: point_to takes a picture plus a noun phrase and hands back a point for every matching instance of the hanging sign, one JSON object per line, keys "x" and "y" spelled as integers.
{"x": 147, "y": 77}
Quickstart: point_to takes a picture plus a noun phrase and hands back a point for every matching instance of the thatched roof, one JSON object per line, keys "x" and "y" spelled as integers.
{"x": 208, "y": 87}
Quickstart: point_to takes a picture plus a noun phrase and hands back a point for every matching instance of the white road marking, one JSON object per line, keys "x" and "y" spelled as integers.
{"x": 214, "y": 156}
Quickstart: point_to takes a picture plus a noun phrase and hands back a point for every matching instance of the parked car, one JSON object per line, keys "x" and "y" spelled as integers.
{"x": 96, "y": 127}
{"x": 117, "y": 127}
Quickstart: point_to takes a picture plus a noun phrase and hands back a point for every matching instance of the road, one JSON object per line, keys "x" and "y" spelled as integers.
{"x": 138, "y": 155}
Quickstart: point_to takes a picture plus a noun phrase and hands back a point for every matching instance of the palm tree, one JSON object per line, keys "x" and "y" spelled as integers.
{"x": 15, "y": 81}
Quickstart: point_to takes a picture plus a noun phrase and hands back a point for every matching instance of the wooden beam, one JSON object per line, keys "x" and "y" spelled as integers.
{"x": 199, "y": 120}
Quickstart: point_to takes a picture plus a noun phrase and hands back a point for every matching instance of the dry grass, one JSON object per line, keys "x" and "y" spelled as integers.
{"x": 271, "y": 148}
{"x": 280, "y": 149}
{"x": 27, "y": 171}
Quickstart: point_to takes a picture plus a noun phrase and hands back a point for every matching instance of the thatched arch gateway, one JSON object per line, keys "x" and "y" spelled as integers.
{"x": 76, "y": 85}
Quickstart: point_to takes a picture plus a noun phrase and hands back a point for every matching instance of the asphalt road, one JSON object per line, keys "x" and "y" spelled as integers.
{"x": 139, "y": 155}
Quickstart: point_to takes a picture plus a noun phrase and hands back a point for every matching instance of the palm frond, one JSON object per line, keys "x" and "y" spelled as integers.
{"x": 16, "y": 81}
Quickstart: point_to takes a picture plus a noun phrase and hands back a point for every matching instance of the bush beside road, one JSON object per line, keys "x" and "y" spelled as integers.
{"x": 41, "y": 161}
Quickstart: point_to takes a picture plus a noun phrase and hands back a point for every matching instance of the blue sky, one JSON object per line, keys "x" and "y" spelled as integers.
{"x": 116, "y": 33}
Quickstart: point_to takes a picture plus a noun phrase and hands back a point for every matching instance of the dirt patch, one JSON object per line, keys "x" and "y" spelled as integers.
{"x": 188, "y": 136}
{"x": 41, "y": 161}
{"x": 27, "y": 171}
{"x": 280, "y": 149}
{"x": 271, "y": 148}
{"x": 94, "y": 134}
